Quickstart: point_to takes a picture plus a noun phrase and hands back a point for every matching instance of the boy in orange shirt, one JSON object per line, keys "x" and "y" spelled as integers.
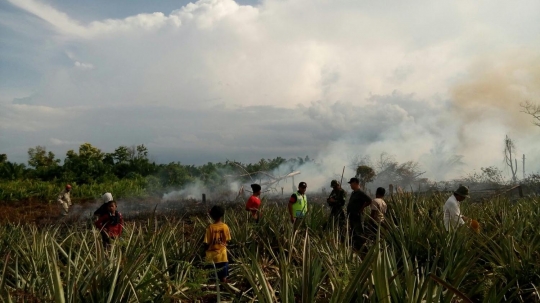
{"x": 216, "y": 238}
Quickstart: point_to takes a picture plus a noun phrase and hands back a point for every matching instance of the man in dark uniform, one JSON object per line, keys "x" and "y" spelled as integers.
{"x": 336, "y": 201}
{"x": 357, "y": 203}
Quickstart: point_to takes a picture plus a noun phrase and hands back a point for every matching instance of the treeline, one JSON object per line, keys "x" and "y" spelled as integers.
{"x": 90, "y": 166}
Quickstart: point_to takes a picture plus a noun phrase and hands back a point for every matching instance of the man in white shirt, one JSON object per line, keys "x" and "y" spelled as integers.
{"x": 452, "y": 214}
{"x": 64, "y": 198}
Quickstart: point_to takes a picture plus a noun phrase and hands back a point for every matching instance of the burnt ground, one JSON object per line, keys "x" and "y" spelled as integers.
{"x": 42, "y": 213}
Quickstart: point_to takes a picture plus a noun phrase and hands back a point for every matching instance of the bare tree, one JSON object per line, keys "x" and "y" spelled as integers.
{"x": 509, "y": 157}
{"x": 533, "y": 110}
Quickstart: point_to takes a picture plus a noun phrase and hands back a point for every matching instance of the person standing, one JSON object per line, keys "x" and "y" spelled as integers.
{"x": 357, "y": 203}
{"x": 254, "y": 202}
{"x": 298, "y": 203}
{"x": 110, "y": 224}
{"x": 107, "y": 197}
{"x": 336, "y": 201}
{"x": 64, "y": 198}
{"x": 216, "y": 237}
{"x": 452, "y": 212}
{"x": 378, "y": 206}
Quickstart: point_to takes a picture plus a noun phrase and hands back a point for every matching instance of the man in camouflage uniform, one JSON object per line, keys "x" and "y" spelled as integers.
{"x": 65, "y": 200}
{"x": 336, "y": 201}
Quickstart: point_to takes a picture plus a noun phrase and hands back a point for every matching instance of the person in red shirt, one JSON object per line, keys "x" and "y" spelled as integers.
{"x": 254, "y": 202}
{"x": 110, "y": 224}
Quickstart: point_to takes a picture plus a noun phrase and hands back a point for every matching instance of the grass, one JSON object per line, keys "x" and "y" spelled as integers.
{"x": 12, "y": 191}
{"x": 412, "y": 259}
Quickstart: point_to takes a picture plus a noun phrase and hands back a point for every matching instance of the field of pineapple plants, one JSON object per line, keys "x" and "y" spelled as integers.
{"x": 161, "y": 258}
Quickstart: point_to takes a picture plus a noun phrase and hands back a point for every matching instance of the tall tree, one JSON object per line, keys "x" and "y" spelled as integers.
{"x": 509, "y": 157}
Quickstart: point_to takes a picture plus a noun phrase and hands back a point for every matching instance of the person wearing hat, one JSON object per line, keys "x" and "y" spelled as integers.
{"x": 254, "y": 202}
{"x": 103, "y": 209}
{"x": 64, "y": 199}
{"x": 358, "y": 201}
{"x": 336, "y": 201}
{"x": 452, "y": 213}
{"x": 298, "y": 203}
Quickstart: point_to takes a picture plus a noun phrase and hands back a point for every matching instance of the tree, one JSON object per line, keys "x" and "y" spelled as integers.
{"x": 38, "y": 157}
{"x": 533, "y": 110}
{"x": 366, "y": 174}
{"x": 3, "y": 158}
{"x": 86, "y": 166}
{"x": 11, "y": 171}
{"x": 509, "y": 157}
{"x": 46, "y": 167}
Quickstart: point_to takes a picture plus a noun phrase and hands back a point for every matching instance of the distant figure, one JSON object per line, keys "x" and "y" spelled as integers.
{"x": 64, "y": 198}
{"x": 254, "y": 202}
{"x": 452, "y": 213}
{"x": 357, "y": 203}
{"x": 336, "y": 201}
{"x": 107, "y": 197}
{"x": 298, "y": 203}
{"x": 378, "y": 206}
{"x": 110, "y": 224}
{"x": 216, "y": 238}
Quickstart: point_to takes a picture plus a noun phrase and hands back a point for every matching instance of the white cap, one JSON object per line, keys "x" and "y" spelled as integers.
{"x": 107, "y": 197}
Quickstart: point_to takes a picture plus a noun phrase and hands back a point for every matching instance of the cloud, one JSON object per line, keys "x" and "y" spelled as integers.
{"x": 83, "y": 66}
{"x": 216, "y": 80}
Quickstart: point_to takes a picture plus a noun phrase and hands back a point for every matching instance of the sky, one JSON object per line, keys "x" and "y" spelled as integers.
{"x": 217, "y": 80}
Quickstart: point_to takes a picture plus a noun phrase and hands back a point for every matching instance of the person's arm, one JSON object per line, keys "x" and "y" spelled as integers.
{"x": 227, "y": 234}
{"x": 455, "y": 214}
{"x": 60, "y": 197}
{"x": 100, "y": 222}
{"x": 374, "y": 212}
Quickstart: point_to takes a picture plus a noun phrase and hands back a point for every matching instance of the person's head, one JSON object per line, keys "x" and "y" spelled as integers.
{"x": 107, "y": 197}
{"x": 217, "y": 212}
{"x": 111, "y": 206}
{"x": 256, "y": 188}
{"x": 302, "y": 186}
{"x": 68, "y": 187}
{"x": 335, "y": 184}
{"x": 380, "y": 192}
{"x": 461, "y": 193}
{"x": 355, "y": 183}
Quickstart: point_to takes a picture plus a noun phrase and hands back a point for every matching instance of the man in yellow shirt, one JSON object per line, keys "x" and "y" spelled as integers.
{"x": 216, "y": 238}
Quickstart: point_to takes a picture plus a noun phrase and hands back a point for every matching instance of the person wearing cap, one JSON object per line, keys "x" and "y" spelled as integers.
{"x": 452, "y": 213}
{"x": 358, "y": 201}
{"x": 298, "y": 203}
{"x": 254, "y": 202}
{"x": 103, "y": 209}
{"x": 64, "y": 199}
{"x": 336, "y": 201}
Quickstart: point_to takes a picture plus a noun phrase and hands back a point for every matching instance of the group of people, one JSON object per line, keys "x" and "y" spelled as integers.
{"x": 358, "y": 201}
{"x": 110, "y": 222}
